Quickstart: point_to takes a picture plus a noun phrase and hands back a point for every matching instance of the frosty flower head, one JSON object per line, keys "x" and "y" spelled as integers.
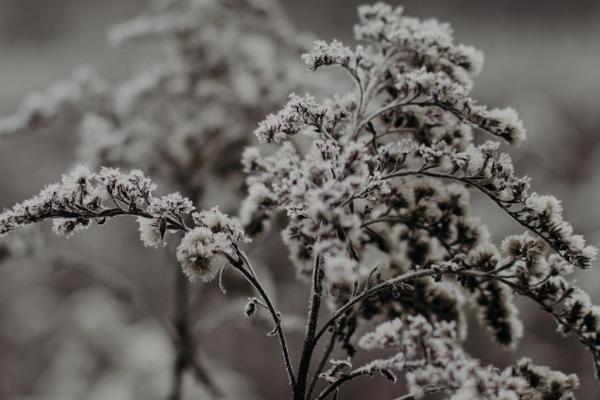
{"x": 298, "y": 114}
{"x": 213, "y": 239}
{"x": 199, "y": 252}
{"x": 334, "y": 53}
{"x": 173, "y": 203}
{"x": 218, "y": 222}
{"x": 545, "y": 382}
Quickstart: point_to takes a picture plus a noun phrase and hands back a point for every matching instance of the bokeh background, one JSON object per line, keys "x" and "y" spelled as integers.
{"x": 62, "y": 332}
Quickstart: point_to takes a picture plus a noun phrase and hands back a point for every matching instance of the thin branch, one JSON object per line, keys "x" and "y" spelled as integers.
{"x": 476, "y": 185}
{"x": 370, "y": 292}
{"x": 275, "y": 315}
{"x": 322, "y": 362}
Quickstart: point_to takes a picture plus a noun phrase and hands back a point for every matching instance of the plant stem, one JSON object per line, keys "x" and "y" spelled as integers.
{"x": 275, "y": 315}
{"x": 374, "y": 290}
{"x": 311, "y": 328}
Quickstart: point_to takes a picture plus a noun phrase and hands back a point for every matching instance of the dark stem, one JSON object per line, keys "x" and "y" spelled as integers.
{"x": 311, "y": 328}
{"x": 275, "y": 315}
{"x": 374, "y": 290}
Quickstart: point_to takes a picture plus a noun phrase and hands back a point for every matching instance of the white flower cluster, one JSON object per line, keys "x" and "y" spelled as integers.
{"x": 433, "y": 360}
{"x": 334, "y": 53}
{"x": 213, "y": 237}
{"x": 431, "y": 41}
{"x": 491, "y": 172}
{"x": 298, "y": 114}
{"x": 82, "y": 197}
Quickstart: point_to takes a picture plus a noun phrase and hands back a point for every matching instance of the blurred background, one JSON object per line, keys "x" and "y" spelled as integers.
{"x": 61, "y": 332}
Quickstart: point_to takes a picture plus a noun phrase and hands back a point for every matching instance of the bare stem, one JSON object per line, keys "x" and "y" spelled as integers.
{"x": 370, "y": 292}
{"x": 311, "y": 328}
{"x": 275, "y": 315}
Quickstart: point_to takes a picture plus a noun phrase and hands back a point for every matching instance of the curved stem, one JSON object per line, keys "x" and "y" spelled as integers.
{"x": 276, "y": 316}
{"x": 374, "y": 290}
{"x": 470, "y": 182}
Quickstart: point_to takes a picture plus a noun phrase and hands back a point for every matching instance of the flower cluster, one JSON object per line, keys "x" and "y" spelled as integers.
{"x": 298, "y": 114}
{"x": 82, "y": 197}
{"x": 436, "y": 89}
{"x": 334, "y": 53}
{"x": 380, "y": 190}
{"x": 374, "y": 185}
{"x": 433, "y": 360}
{"x": 215, "y": 235}
{"x": 430, "y": 42}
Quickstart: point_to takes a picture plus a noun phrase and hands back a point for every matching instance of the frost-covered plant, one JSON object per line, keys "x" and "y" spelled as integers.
{"x": 378, "y": 197}
{"x": 374, "y": 184}
{"x": 184, "y": 118}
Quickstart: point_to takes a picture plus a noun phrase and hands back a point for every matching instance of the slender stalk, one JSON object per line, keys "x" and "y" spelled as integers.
{"x": 311, "y": 328}
{"x": 276, "y": 316}
{"x": 374, "y": 290}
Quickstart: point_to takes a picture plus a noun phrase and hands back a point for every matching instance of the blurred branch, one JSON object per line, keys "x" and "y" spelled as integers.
{"x": 185, "y": 346}
{"x": 105, "y": 275}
